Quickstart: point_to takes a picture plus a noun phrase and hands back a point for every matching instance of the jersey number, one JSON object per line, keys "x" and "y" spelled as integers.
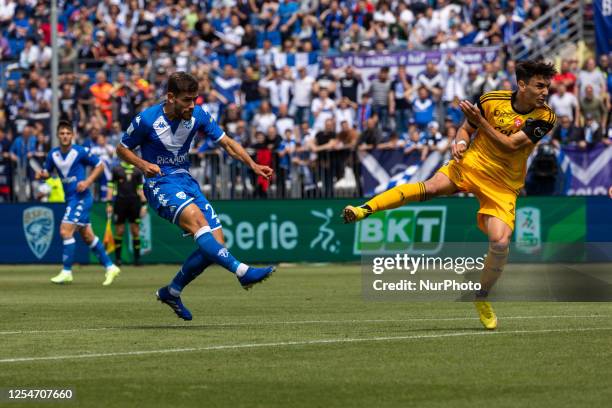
{"x": 213, "y": 214}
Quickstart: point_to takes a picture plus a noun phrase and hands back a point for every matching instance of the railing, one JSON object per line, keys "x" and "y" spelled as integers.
{"x": 331, "y": 174}
{"x": 561, "y": 25}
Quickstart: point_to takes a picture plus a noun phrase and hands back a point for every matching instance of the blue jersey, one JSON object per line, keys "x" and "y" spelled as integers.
{"x": 71, "y": 168}
{"x": 166, "y": 142}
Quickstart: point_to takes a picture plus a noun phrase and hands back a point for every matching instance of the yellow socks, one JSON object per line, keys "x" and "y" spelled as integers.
{"x": 398, "y": 196}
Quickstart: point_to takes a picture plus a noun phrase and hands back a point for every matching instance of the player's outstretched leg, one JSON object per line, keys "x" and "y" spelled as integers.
{"x": 217, "y": 253}
{"x": 65, "y": 276}
{"x": 393, "y": 198}
{"x": 171, "y": 294}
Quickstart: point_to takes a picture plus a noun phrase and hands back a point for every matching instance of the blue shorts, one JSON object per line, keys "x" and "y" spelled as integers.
{"x": 77, "y": 210}
{"x": 169, "y": 195}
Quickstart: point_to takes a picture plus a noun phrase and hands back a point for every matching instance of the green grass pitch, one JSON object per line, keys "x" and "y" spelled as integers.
{"x": 304, "y": 338}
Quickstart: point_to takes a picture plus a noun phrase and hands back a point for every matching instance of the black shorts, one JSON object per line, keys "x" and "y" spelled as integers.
{"x": 126, "y": 210}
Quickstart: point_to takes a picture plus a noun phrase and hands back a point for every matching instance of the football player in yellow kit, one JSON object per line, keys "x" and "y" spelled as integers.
{"x": 491, "y": 165}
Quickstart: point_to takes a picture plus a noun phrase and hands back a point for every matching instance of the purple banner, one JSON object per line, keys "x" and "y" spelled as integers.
{"x": 587, "y": 172}
{"x": 415, "y": 60}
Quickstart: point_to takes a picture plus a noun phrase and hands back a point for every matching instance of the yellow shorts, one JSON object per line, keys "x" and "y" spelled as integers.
{"x": 494, "y": 199}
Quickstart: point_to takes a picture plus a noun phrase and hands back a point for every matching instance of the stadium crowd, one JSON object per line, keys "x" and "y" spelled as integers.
{"x": 114, "y": 58}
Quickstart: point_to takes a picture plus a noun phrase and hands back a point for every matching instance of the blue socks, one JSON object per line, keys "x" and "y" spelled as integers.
{"x": 68, "y": 253}
{"x": 98, "y": 249}
{"x": 217, "y": 253}
{"x": 191, "y": 269}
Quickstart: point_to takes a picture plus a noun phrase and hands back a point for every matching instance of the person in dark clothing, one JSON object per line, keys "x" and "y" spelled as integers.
{"x": 125, "y": 190}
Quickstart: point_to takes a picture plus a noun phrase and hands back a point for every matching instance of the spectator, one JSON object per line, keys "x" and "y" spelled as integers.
{"x": 85, "y": 100}
{"x": 125, "y": 94}
{"x": 593, "y": 105}
{"x": 423, "y": 107}
{"x": 23, "y": 144}
{"x": 102, "y": 93}
{"x": 432, "y": 135}
{"x": 380, "y": 90}
{"x": 428, "y": 26}
{"x": 5, "y": 146}
{"x": 284, "y": 151}
{"x": 364, "y": 111}
{"x": 67, "y": 55}
{"x": 284, "y": 122}
{"x": 263, "y": 156}
{"x": 565, "y": 77}
{"x": 591, "y": 133}
{"x": 264, "y": 118}
{"x": 5, "y": 48}
{"x": 473, "y": 86}
{"x": 302, "y": 96}
{"x": 510, "y": 25}
{"x": 228, "y": 86}
{"x": 347, "y": 137}
{"x": 400, "y": 98}
{"x": 332, "y": 22}
{"x": 30, "y": 55}
{"x": 393, "y": 142}
{"x": 431, "y": 80}
{"x": 249, "y": 89}
{"x": 593, "y": 77}
{"x": 454, "y": 113}
{"x": 566, "y": 133}
{"x": 492, "y": 79}
{"x": 564, "y": 103}
{"x": 278, "y": 89}
{"x": 345, "y": 112}
{"x": 41, "y": 147}
{"x": 371, "y": 136}
{"x": 454, "y": 74}
{"x": 326, "y": 79}
{"x": 416, "y": 146}
{"x": 230, "y": 118}
{"x": 322, "y": 108}
{"x": 349, "y": 84}
{"x": 485, "y": 24}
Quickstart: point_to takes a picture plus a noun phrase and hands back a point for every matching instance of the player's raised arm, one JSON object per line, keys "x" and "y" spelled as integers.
{"x": 532, "y": 132}
{"x": 213, "y": 131}
{"x": 236, "y": 150}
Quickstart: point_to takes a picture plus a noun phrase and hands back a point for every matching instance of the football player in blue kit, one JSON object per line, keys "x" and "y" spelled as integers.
{"x": 164, "y": 133}
{"x": 70, "y": 161}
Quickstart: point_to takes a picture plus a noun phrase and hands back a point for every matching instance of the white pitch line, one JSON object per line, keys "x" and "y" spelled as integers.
{"x": 293, "y": 343}
{"x": 297, "y": 322}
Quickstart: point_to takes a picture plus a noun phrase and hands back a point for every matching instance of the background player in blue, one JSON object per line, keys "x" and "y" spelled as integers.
{"x": 70, "y": 161}
{"x": 164, "y": 133}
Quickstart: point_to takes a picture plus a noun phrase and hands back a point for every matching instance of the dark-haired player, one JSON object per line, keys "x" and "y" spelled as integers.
{"x": 70, "y": 161}
{"x": 164, "y": 133}
{"x": 492, "y": 166}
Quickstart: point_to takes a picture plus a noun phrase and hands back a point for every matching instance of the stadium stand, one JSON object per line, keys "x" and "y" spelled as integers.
{"x": 345, "y": 125}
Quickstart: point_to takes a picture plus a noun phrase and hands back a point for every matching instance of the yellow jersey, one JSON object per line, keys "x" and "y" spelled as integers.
{"x": 486, "y": 156}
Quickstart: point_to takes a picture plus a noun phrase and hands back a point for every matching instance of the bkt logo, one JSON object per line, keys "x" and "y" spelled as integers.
{"x": 412, "y": 229}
